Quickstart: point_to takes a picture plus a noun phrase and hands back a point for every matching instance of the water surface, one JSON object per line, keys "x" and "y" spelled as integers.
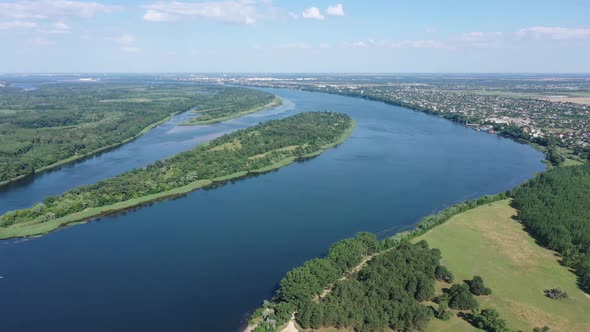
{"x": 203, "y": 261}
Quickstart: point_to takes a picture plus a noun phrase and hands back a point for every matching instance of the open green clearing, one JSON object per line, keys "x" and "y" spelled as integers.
{"x": 60, "y": 123}
{"x": 256, "y": 149}
{"x": 487, "y": 241}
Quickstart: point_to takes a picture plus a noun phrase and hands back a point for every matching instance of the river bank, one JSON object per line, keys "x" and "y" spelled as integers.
{"x": 195, "y": 121}
{"x": 33, "y": 227}
{"x": 397, "y": 166}
{"x": 92, "y": 153}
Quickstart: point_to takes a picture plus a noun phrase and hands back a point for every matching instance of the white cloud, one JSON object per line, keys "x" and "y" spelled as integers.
{"x": 295, "y": 46}
{"x": 478, "y": 36}
{"x": 129, "y": 49}
{"x": 397, "y": 44}
{"x": 124, "y": 39}
{"x": 228, "y": 11}
{"x": 155, "y": 16}
{"x": 17, "y": 25}
{"x": 554, "y": 32}
{"x": 419, "y": 44}
{"x": 44, "y": 9}
{"x": 40, "y": 42}
{"x": 335, "y": 10}
{"x": 312, "y": 13}
{"x": 293, "y": 15}
{"x": 57, "y": 27}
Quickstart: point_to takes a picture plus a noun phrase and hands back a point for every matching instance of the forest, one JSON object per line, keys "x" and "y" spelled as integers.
{"x": 555, "y": 209}
{"x": 235, "y": 103}
{"x": 42, "y": 127}
{"x": 235, "y": 154}
{"x": 386, "y": 293}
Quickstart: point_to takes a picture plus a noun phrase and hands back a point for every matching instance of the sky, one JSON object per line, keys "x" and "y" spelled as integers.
{"x": 370, "y": 36}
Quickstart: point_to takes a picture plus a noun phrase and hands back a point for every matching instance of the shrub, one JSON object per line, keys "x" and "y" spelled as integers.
{"x": 442, "y": 273}
{"x": 461, "y": 299}
{"x": 556, "y": 294}
{"x": 489, "y": 320}
{"x": 477, "y": 287}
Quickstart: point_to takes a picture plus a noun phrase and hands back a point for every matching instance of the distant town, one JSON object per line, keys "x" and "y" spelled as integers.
{"x": 540, "y": 109}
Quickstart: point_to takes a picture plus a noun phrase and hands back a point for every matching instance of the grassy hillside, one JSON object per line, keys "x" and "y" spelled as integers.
{"x": 487, "y": 241}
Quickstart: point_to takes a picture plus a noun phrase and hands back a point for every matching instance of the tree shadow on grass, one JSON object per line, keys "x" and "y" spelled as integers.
{"x": 468, "y": 317}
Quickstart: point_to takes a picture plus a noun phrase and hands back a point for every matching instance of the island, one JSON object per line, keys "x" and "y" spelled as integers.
{"x": 260, "y": 148}
{"x": 60, "y": 123}
{"x": 235, "y": 103}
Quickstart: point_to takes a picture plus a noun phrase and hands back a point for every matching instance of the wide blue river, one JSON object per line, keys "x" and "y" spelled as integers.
{"x": 204, "y": 261}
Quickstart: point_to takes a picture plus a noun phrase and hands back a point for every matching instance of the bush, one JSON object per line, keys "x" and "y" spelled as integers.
{"x": 461, "y": 299}
{"x": 477, "y": 287}
{"x": 442, "y": 312}
{"x": 489, "y": 320}
{"x": 443, "y": 274}
{"x": 556, "y": 294}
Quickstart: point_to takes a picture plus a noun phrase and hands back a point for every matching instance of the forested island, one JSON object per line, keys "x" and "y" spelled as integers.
{"x": 256, "y": 149}
{"x": 235, "y": 103}
{"x": 59, "y": 123}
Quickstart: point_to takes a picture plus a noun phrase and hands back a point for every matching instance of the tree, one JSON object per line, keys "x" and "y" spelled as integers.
{"x": 442, "y": 273}
{"x": 477, "y": 287}
{"x": 554, "y": 157}
{"x": 442, "y": 312}
{"x": 489, "y": 320}
{"x": 461, "y": 299}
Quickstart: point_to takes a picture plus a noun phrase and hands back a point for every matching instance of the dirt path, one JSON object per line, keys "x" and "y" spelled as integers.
{"x": 291, "y": 326}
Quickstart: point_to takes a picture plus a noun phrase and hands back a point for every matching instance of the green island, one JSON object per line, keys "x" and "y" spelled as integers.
{"x": 515, "y": 261}
{"x": 60, "y": 123}
{"x": 261, "y": 148}
{"x": 234, "y": 104}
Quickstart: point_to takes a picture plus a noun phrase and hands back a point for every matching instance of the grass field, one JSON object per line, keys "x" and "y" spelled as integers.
{"x": 487, "y": 241}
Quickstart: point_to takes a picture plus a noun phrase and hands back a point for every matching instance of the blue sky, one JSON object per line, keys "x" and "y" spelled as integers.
{"x": 295, "y": 36}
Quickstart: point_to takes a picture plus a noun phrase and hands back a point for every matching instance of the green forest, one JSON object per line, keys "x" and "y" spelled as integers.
{"x": 60, "y": 121}
{"x": 252, "y": 149}
{"x": 386, "y": 293}
{"x": 235, "y": 103}
{"x": 555, "y": 209}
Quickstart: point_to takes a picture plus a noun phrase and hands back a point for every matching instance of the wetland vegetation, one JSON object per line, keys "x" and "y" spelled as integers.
{"x": 260, "y": 148}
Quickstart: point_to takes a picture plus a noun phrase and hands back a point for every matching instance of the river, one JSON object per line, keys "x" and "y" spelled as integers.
{"x": 202, "y": 262}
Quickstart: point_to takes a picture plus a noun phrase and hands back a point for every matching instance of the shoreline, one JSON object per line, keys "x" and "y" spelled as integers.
{"x": 75, "y": 158}
{"x": 534, "y": 145}
{"x": 29, "y": 229}
{"x": 423, "y": 226}
{"x": 273, "y": 103}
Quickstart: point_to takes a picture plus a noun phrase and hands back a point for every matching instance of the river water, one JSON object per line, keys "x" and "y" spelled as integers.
{"x": 202, "y": 262}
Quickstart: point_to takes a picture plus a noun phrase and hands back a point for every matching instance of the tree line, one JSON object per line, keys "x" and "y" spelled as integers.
{"x": 555, "y": 209}
{"x": 58, "y": 121}
{"x": 245, "y": 150}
